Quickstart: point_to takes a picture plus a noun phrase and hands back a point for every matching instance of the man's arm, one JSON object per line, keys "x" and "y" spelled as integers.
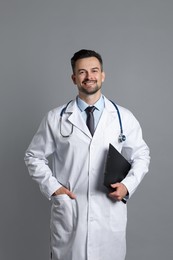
{"x": 42, "y": 145}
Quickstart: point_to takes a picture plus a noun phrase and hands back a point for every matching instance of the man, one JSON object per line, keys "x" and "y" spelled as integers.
{"x": 87, "y": 222}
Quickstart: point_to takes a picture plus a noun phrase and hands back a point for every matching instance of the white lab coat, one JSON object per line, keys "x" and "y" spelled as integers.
{"x": 91, "y": 227}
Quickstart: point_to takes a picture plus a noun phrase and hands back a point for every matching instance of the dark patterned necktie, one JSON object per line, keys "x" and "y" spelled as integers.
{"x": 90, "y": 118}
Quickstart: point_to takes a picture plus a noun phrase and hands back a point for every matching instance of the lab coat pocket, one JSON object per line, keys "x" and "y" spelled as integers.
{"x": 63, "y": 214}
{"x": 62, "y": 225}
{"x": 118, "y": 216}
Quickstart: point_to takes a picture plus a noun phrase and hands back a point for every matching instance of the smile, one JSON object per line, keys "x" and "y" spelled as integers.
{"x": 90, "y": 82}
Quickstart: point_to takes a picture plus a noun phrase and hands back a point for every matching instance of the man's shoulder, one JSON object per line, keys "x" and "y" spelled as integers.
{"x": 113, "y": 104}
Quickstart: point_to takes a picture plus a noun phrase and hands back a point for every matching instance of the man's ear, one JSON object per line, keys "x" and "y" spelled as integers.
{"x": 73, "y": 78}
{"x": 103, "y": 76}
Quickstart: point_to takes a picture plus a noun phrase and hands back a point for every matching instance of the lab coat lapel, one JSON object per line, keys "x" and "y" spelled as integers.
{"x": 75, "y": 118}
{"x": 108, "y": 116}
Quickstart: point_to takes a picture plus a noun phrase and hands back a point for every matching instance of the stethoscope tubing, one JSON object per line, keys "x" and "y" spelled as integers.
{"x": 121, "y": 137}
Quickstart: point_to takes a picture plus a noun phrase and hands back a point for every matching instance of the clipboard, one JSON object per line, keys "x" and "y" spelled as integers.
{"x": 116, "y": 167}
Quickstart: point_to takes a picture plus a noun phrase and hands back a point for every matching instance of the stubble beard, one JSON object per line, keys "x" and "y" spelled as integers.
{"x": 89, "y": 91}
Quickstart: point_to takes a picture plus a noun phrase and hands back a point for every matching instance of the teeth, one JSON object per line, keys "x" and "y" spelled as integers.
{"x": 89, "y": 82}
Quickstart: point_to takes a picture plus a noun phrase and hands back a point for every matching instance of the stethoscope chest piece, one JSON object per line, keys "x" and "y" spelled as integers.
{"x": 122, "y": 138}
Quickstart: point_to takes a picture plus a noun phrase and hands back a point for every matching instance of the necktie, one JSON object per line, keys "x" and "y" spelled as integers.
{"x": 90, "y": 118}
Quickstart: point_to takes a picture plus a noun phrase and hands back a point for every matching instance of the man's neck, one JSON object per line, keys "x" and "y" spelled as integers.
{"x": 90, "y": 99}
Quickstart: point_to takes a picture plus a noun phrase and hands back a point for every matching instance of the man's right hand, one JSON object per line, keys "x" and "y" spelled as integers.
{"x": 64, "y": 190}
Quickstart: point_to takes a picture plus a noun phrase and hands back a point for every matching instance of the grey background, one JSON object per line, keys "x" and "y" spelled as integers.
{"x": 37, "y": 40}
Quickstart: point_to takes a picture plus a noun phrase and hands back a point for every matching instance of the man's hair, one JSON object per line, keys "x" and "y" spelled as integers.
{"x": 85, "y": 54}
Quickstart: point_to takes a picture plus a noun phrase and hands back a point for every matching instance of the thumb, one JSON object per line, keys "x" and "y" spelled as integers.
{"x": 115, "y": 185}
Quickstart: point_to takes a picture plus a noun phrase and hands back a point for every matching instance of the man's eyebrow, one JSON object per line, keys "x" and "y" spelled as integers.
{"x": 94, "y": 68}
{"x": 80, "y": 69}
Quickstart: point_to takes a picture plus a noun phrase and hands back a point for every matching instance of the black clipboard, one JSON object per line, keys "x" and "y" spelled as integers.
{"x": 116, "y": 167}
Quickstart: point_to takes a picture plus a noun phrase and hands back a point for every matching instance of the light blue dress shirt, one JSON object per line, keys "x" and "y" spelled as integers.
{"x": 97, "y": 112}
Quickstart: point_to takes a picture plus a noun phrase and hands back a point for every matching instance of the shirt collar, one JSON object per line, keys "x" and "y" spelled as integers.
{"x": 83, "y": 105}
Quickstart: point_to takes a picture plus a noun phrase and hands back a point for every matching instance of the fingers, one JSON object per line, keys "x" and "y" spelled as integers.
{"x": 115, "y": 196}
{"x": 71, "y": 194}
{"x": 120, "y": 191}
{"x": 64, "y": 190}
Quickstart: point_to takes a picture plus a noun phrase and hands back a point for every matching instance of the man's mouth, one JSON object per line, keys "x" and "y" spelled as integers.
{"x": 89, "y": 82}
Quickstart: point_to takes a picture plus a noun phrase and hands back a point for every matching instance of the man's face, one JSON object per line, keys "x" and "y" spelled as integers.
{"x": 88, "y": 75}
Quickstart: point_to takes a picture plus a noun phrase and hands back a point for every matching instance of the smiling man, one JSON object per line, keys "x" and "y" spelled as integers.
{"x": 88, "y": 76}
{"x": 87, "y": 221}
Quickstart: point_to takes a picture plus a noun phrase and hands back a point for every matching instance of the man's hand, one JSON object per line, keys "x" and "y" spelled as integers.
{"x": 63, "y": 190}
{"x": 120, "y": 191}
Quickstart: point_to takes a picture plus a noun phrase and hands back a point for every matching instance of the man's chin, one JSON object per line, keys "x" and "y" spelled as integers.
{"x": 90, "y": 90}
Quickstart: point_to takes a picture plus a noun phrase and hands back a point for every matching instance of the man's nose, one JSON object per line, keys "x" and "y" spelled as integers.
{"x": 89, "y": 75}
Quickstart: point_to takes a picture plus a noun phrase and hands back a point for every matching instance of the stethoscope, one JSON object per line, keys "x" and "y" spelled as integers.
{"x": 121, "y": 137}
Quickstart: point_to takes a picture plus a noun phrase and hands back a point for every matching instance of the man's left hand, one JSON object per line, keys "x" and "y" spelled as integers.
{"x": 120, "y": 191}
